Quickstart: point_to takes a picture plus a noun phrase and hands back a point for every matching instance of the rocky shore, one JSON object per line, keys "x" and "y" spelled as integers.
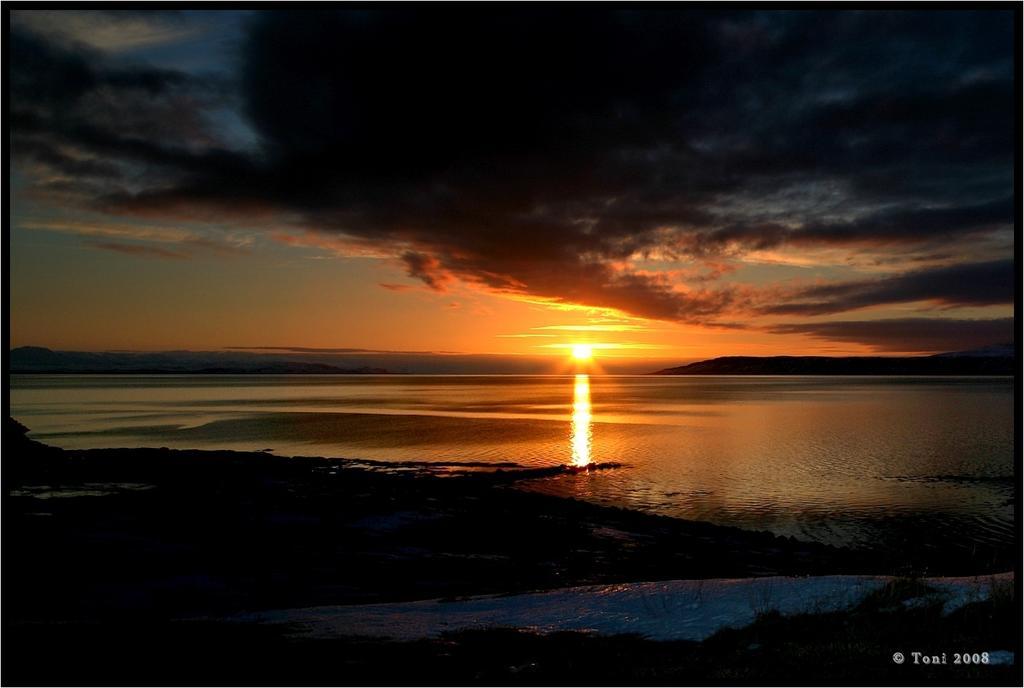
{"x": 101, "y": 542}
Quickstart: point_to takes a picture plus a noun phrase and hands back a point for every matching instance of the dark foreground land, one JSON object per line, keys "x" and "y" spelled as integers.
{"x": 118, "y": 562}
{"x": 852, "y": 647}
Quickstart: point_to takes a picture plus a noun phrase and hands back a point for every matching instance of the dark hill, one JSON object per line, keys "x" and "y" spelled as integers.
{"x": 853, "y": 365}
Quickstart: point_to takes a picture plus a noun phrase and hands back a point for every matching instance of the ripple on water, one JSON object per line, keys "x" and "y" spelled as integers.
{"x": 838, "y": 460}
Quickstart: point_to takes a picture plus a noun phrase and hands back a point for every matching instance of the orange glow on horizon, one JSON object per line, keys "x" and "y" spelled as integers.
{"x": 582, "y": 352}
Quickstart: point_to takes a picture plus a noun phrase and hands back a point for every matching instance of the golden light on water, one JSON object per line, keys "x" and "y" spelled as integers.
{"x": 580, "y": 430}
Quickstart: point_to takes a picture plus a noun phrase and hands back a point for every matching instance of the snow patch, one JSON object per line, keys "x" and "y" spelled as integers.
{"x": 663, "y": 610}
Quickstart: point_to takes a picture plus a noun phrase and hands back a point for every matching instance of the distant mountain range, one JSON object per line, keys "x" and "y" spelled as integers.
{"x": 991, "y": 360}
{"x": 37, "y": 359}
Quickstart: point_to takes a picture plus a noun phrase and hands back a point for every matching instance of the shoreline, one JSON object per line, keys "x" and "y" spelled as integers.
{"x": 159, "y": 554}
{"x": 250, "y": 530}
{"x": 222, "y": 531}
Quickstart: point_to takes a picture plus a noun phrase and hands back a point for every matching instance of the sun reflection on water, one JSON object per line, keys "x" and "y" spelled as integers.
{"x": 580, "y": 431}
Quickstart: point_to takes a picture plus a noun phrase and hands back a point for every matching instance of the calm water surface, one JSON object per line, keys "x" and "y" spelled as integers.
{"x": 858, "y": 461}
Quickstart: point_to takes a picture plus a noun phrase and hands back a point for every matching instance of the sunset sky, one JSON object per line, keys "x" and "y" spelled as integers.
{"x": 663, "y": 184}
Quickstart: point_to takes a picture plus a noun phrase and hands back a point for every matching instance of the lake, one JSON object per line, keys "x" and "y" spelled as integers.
{"x": 864, "y": 461}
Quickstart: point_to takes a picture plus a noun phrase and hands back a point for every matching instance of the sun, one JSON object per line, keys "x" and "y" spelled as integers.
{"x": 582, "y": 352}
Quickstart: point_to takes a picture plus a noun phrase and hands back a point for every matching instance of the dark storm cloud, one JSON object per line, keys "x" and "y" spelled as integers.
{"x": 427, "y": 269}
{"x": 109, "y": 128}
{"x": 892, "y": 227}
{"x": 973, "y": 284}
{"x": 540, "y": 150}
{"x": 902, "y": 226}
{"x": 909, "y": 334}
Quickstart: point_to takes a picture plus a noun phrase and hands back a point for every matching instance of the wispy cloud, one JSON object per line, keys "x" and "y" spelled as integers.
{"x": 907, "y": 335}
{"x": 108, "y": 31}
{"x": 609, "y": 346}
{"x": 334, "y": 243}
{"x": 972, "y": 284}
{"x": 116, "y": 237}
{"x": 597, "y": 328}
{"x": 139, "y": 250}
